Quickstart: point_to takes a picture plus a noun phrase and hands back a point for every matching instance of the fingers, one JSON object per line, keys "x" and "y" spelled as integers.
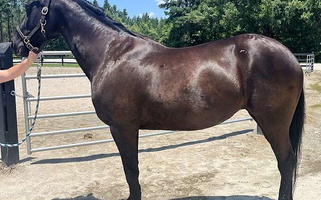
{"x": 32, "y": 56}
{"x": 36, "y": 50}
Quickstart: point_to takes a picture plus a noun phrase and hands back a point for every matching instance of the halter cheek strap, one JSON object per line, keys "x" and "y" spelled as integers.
{"x": 41, "y": 25}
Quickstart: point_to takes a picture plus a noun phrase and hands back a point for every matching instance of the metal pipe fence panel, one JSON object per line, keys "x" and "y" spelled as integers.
{"x": 28, "y": 116}
{"x": 57, "y": 76}
{"x": 111, "y": 140}
{"x": 306, "y": 60}
{"x": 60, "y": 97}
{"x": 69, "y": 131}
{"x": 62, "y": 114}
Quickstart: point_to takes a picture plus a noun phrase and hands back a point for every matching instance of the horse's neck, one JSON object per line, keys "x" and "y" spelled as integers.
{"x": 89, "y": 39}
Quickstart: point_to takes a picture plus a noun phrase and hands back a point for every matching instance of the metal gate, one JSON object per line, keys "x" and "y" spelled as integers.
{"x": 306, "y": 60}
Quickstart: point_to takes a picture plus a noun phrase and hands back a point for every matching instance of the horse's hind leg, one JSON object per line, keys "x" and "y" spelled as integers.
{"x": 281, "y": 145}
{"x": 277, "y": 134}
{"x": 127, "y": 142}
{"x": 282, "y": 127}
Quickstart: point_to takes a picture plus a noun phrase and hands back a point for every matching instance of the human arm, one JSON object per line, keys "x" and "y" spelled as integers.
{"x": 17, "y": 70}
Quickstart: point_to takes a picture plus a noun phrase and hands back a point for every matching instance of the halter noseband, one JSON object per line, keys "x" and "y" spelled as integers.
{"x": 40, "y": 25}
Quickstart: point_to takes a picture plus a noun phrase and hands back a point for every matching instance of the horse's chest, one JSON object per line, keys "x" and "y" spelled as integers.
{"x": 115, "y": 103}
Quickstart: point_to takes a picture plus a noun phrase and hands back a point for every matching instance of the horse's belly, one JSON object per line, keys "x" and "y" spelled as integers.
{"x": 186, "y": 119}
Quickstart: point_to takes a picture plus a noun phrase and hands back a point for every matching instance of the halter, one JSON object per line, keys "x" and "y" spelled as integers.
{"x": 41, "y": 25}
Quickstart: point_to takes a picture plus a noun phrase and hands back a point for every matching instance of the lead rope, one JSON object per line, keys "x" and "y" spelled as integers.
{"x": 36, "y": 111}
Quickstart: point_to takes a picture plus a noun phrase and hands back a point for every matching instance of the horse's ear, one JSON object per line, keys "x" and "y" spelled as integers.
{"x": 95, "y": 9}
{"x": 30, "y": 2}
{"x": 33, "y": 2}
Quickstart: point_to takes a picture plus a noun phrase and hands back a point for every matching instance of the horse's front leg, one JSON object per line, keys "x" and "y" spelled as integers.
{"x": 127, "y": 142}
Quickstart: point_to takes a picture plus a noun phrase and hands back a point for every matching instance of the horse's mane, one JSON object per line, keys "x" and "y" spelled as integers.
{"x": 101, "y": 16}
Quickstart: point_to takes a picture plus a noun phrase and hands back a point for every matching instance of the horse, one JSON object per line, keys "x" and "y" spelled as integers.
{"x": 137, "y": 83}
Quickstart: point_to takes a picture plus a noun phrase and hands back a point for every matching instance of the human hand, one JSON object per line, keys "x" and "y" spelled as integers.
{"x": 31, "y": 58}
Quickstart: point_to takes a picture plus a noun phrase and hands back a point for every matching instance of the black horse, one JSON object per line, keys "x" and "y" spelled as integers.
{"x": 138, "y": 83}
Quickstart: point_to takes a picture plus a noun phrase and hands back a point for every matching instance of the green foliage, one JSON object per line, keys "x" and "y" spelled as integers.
{"x": 95, "y": 2}
{"x": 154, "y": 28}
{"x": 10, "y": 16}
{"x": 148, "y": 26}
{"x": 295, "y": 23}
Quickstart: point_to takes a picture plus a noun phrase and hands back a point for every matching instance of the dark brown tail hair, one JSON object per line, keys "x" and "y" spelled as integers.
{"x": 296, "y": 130}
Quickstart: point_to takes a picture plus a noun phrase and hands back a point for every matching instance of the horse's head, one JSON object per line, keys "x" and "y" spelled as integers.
{"x": 37, "y": 28}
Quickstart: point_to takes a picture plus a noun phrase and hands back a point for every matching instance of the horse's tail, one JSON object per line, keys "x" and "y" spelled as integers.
{"x": 296, "y": 130}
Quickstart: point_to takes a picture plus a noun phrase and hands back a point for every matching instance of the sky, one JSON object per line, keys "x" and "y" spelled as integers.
{"x": 137, "y": 7}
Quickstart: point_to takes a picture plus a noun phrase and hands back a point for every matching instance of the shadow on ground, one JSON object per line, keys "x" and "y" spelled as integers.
{"x": 236, "y": 197}
{"x": 88, "y": 197}
{"x": 156, "y": 149}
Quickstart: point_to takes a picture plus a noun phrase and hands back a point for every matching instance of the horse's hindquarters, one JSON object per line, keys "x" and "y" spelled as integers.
{"x": 273, "y": 88}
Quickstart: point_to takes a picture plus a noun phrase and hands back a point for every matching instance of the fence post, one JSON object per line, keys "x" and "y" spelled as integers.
{"x": 8, "y": 116}
{"x": 41, "y": 59}
{"x": 258, "y": 130}
{"x": 62, "y": 60}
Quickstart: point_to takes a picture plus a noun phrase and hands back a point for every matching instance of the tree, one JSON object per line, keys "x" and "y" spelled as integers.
{"x": 196, "y": 22}
{"x": 10, "y": 16}
{"x": 95, "y": 2}
{"x": 295, "y": 23}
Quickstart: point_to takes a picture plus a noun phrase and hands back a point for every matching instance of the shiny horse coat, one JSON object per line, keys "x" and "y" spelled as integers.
{"x": 140, "y": 84}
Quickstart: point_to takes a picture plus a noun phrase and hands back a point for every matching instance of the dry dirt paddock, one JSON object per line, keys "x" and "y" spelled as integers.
{"x": 229, "y": 162}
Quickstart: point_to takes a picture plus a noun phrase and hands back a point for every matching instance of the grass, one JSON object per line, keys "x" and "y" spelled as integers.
{"x": 316, "y": 106}
{"x": 316, "y": 86}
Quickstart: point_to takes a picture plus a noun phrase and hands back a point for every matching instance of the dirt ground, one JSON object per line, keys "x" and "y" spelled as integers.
{"x": 226, "y": 162}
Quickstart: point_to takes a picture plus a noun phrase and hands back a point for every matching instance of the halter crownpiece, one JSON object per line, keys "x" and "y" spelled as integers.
{"x": 41, "y": 25}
